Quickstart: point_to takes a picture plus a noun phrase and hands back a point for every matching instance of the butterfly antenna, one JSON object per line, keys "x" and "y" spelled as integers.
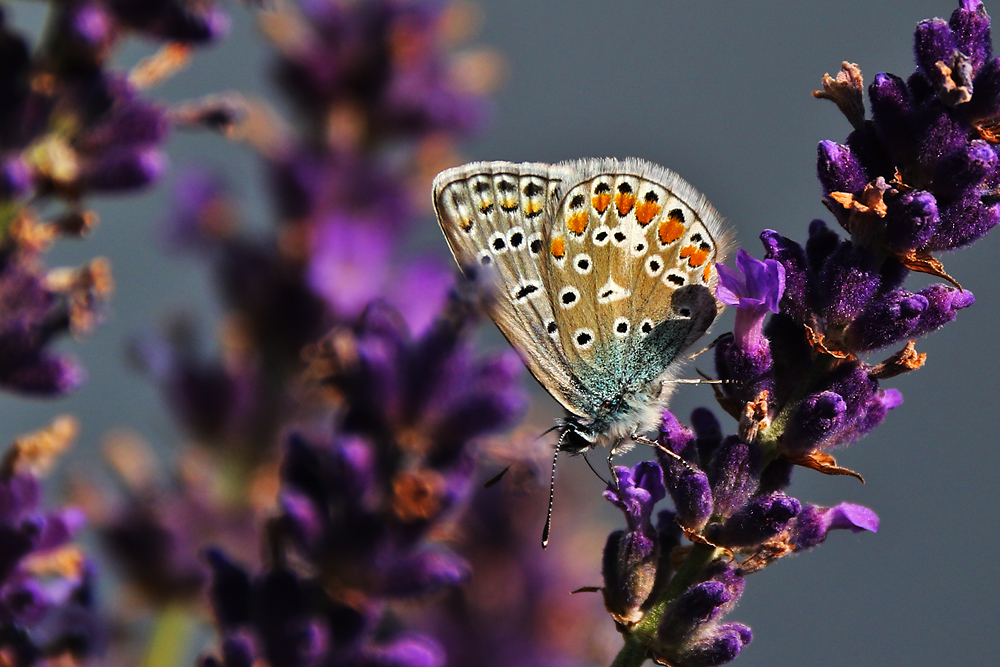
{"x": 552, "y": 496}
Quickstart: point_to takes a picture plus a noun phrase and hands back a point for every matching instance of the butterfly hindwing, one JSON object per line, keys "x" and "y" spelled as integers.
{"x": 635, "y": 281}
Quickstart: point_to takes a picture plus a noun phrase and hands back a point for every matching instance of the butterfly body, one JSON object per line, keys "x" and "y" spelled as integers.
{"x": 604, "y": 274}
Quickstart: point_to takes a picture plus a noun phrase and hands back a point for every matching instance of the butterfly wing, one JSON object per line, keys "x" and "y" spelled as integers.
{"x": 494, "y": 216}
{"x": 630, "y": 267}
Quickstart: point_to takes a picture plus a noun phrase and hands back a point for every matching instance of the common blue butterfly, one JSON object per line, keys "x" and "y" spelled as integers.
{"x": 605, "y": 274}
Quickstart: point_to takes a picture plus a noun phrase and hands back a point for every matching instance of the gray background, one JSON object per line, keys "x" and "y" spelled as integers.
{"x": 719, "y": 92}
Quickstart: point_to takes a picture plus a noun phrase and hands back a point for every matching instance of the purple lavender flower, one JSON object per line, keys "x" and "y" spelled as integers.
{"x": 920, "y": 176}
{"x": 755, "y": 290}
{"x": 813, "y": 523}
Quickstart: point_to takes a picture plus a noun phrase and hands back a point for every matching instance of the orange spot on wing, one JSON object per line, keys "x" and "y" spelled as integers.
{"x": 558, "y": 247}
{"x": 645, "y": 212}
{"x": 670, "y": 230}
{"x": 465, "y": 224}
{"x": 707, "y": 273}
{"x": 695, "y": 256}
{"x": 578, "y": 222}
{"x": 624, "y": 203}
{"x": 601, "y": 202}
{"x": 531, "y": 209}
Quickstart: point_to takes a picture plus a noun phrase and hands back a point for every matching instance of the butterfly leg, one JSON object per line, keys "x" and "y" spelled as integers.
{"x": 643, "y": 440}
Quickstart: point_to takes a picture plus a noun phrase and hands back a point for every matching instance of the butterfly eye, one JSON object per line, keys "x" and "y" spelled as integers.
{"x": 568, "y": 297}
{"x": 529, "y": 289}
{"x": 515, "y": 238}
{"x": 583, "y": 338}
{"x": 654, "y": 266}
{"x": 601, "y": 236}
{"x": 622, "y": 327}
{"x": 583, "y": 264}
{"x": 498, "y": 243}
{"x": 674, "y": 279}
{"x": 535, "y": 243}
{"x": 684, "y": 312}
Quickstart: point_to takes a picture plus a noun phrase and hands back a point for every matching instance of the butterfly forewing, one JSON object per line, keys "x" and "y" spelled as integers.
{"x": 494, "y": 216}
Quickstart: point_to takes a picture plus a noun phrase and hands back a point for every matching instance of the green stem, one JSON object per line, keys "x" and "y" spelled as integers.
{"x": 633, "y": 654}
{"x": 168, "y": 646}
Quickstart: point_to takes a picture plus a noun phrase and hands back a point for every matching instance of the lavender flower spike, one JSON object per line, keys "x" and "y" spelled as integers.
{"x": 754, "y": 293}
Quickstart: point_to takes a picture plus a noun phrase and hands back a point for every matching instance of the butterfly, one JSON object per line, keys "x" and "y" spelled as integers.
{"x": 604, "y": 273}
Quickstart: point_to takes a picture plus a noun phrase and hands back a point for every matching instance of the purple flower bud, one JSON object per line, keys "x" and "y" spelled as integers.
{"x": 238, "y": 651}
{"x": 941, "y": 136}
{"x": 229, "y": 592}
{"x": 814, "y": 421}
{"x": 124, "y": 169}
{"x": 43, "y": 375}
{"x": 425, "y": 572}
{"x": 965, "y": 169}
{"x": 690, "y": 615}
{"x": 986, "y": 96}
{"x": 746, "y": 372}
{"x": 964, "y": 221}
{"x": 677, "y": 437}
{"x": 838, "y": 169}
{"x": 696, "y": 607}
{"x": 756, "y": 522}
{"x": 411, "y": 650}
{"x": 639, "y": 489}
{"x": 892, "y": 116}
{"x": 708, "y": 431}
{"x": 19, "y": 495}
{"x": 813, "y": 523}
{"x": 822, "y": 243}
{"x": 849, "y": 280}
{"x": 911, "y": 220}
{"x": 15, "y": 177}
{"x": 796, "y": 299}
{"x": 971, "y": 27}
{"x": 901, "y": 315}
{"x": 717, "y": 647}
{"x": 733, "y": 474}
{"x": 628, "y": 568}
{"x": 691, "y": 492}
{"x": 173, "y": 20}
{"x": 776, "y": 476}
{"x": 933, "y": 42}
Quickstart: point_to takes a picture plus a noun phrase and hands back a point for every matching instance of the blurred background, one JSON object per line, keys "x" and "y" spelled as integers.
{"x": 720, "y": 93}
